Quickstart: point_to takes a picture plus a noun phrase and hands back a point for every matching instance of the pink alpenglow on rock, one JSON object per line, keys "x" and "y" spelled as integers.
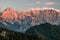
{"x": 23, "y": 20}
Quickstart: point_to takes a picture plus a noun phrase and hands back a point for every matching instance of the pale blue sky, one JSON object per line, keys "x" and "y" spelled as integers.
{"x": 26, "y": 4}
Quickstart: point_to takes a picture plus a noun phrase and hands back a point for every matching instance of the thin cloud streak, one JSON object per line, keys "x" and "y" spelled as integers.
{"x": 38, "y": 2}
{"x": 50, "y": 3}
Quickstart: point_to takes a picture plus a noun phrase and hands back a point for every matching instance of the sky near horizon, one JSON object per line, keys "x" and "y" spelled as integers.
{"x": 27, "y": 4}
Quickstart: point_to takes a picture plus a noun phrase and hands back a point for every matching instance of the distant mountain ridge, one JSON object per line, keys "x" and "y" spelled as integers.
{"x": 23, "y": 20}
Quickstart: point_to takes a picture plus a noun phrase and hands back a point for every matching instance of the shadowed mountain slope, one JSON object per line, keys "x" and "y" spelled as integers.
{"x": 38, "y": 32}
{"x": 48, "y": 31}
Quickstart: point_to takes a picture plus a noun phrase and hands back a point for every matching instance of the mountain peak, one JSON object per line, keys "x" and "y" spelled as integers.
{"x": 7, "y": 9}
{"x": 29, "y": 18}
{"x": 9, "y": 13}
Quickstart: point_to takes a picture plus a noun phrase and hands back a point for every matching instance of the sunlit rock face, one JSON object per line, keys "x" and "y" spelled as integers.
{"x": 23, "y": 20}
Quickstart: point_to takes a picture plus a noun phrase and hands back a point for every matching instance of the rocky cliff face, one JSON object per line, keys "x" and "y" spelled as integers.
{"x": 23, "y": 20}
